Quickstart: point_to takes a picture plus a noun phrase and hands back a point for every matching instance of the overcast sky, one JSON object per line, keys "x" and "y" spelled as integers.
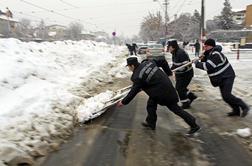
{"x": 121, "y": 16}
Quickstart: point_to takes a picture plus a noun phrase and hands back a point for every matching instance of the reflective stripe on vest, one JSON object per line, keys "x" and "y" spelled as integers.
{"x": 143, "y": 70}
{"x": 220, "y": 71}
{"x": 180, "y": 64}
{"x": 151, "y": 73}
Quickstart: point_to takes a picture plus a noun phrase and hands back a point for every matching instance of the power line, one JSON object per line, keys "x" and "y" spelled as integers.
{"x": 40, "y": 18}
{"x": 48, "y": 10}
{"x": 181, "y": 6}
{"x": 97, "y": 6}
{"x": 69, "y": 4}
{"x": 57, "y": 13}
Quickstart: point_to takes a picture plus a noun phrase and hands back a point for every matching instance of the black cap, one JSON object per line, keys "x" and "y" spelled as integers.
{"x": 210, "y": 42}
{"x": 173, "y": 43}
{"x": 132, "y": 61}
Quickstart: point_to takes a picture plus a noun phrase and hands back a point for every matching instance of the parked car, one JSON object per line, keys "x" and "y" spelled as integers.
{"x": 142, "y": 49}
{"x": 155, "y": 50}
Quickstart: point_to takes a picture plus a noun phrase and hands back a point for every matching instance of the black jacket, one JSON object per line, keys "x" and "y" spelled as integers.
{"x": 217, "y": 66}
{"x": 152, "y": 80}
{"x": 179, "y": 58}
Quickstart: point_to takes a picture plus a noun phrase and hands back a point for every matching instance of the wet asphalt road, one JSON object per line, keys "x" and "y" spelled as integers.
{"x": 118, "y": 139}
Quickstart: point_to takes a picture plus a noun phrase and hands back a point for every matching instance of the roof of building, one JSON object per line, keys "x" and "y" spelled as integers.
{"x": 3, "y": 17}
{"x": 239, "y": 10}
{"x": 56, "y": 25}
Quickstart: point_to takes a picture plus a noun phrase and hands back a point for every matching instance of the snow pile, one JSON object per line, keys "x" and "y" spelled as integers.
{"x": 244, "y": 133}
{"x": 41, "y": 87}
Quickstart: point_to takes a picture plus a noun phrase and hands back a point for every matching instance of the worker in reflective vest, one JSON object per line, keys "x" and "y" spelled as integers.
{"x": 184, "y": 75}
{"x": 221, "y": 75}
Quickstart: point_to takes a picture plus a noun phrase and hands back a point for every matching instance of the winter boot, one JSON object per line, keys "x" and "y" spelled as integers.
{"x": 245, "y": 111}
{"x": 193, "y": 130}
{"x": 149, "y": 126}
{"x": 192, "y": 97}
{"x": 186, "y": 105}
{"x": 233, "y": 113}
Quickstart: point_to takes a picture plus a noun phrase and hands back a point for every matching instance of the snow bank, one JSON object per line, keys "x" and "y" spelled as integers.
{"x": 38, "y": 97}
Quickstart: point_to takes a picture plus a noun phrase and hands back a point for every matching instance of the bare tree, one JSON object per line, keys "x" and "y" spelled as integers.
{"x": 23, "y": 28}
{"x": 41, "y": 30}
{"x": 74, "y": 30}
{"x": 152, "y": 27}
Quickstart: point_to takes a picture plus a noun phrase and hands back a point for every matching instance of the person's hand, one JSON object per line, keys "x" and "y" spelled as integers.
{"x": 201, "y": 56}
{"x": 196, "y": 61}
{"x": 119, "y": 104}
{"x": 172, "y": 77}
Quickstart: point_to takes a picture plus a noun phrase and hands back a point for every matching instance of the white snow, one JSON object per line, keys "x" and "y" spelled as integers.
{"x": 244, "y": 133}
{"x": 42, "y": 84}
{"x": 44, "y": 88}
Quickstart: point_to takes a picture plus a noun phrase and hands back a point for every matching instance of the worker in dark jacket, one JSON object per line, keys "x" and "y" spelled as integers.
{"x": 156, "y": 84}
{"x": 221, "y": 75}
{"x": 152, "y": 104}
{"x": 184, "y": 75}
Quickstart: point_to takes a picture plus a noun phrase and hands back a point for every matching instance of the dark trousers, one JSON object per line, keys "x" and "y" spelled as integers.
{"x": 152, "y": 114}
{"x": 226, "y": 92}
{"x": 188, "y": 118}
{"x": 182, "y": 82}
{"x": 135, "y": 52}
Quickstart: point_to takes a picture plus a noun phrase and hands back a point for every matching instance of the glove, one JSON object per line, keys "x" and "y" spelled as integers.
{"x": 196, "y": 61}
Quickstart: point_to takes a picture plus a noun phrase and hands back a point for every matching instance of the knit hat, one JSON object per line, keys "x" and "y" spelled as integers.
{"x": 210, "y": 42}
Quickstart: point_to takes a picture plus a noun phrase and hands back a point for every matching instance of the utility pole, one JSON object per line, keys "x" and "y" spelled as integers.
{"x": 166, "y": 17}
{"x": 202, "y": 24}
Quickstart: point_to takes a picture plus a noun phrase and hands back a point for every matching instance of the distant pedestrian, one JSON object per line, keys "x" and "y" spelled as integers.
{"x": 221, "y": 75}
{"x": 197, "y": 48}
{"x": 130, "y": 48}
{"x": 156, "y": 84}
{"x": 184, "y": 75}
{"x": 134, "y": 48}
{"x": 184, "y": 43}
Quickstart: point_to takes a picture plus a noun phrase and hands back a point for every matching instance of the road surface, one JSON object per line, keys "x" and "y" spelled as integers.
{"x": 118, "y": 139}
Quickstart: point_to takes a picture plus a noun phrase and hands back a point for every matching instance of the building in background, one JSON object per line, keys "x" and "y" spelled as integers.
{"x": 248, "y": 19}
{"x": 239, "y": 16}
{"x": 7, "y": 26}
{"x": 56, "y": 32}
{"x": 248, "y": 22}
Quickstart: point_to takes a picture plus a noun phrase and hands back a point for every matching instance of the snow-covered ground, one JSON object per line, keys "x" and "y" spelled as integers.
{"x": 44, "y": 91}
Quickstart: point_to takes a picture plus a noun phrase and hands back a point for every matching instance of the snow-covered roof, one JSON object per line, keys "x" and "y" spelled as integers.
{"x": 238, "y": 10}
{"x": 86, "y": 32}
{"x": 2, "y": 17}
{"x": 57, "y": 26}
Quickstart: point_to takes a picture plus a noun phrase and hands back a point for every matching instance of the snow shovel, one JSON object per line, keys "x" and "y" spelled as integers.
{"x": 119, "y": 95}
